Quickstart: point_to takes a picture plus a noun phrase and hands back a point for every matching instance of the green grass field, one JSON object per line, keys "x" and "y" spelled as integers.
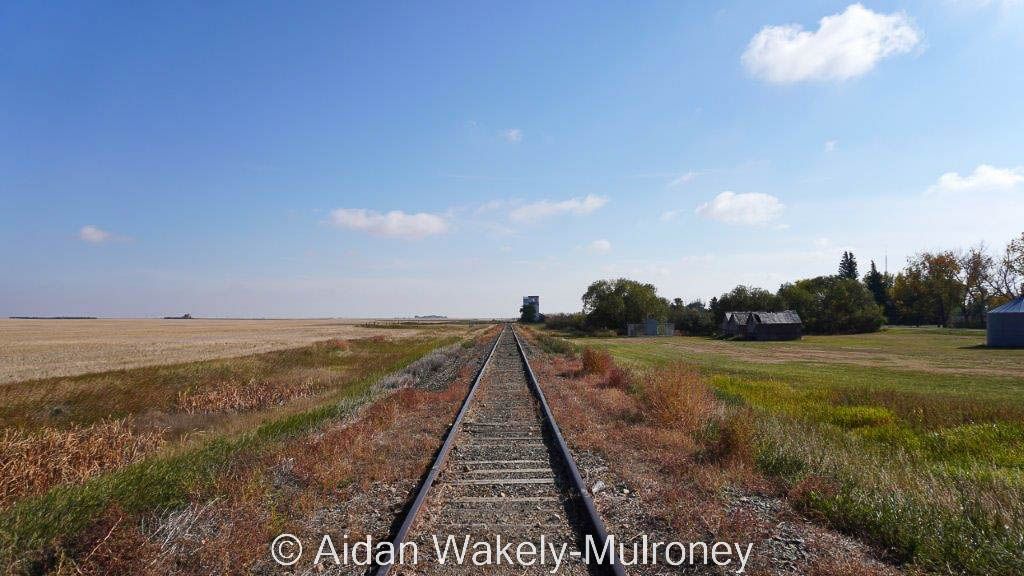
{"x": 910, "y": 438}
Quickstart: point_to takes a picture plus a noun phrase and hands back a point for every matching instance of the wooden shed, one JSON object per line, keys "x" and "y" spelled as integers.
{"x": 785, "y": 325}
{"x": 735, "y": 324}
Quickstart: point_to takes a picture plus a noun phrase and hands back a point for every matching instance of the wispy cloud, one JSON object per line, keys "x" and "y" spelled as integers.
{"x": 830, "y": 145}
{"x": 601, "y": 245}
{"x": 94, "y": 235}
{"x": 395, "y": 223}
{"x": 747, "y": 209}
{"x": 684, "y": 178}
{"x": 513, "y": 135}
{"x": 670, "y": 214}
{"x": 844, "y": 46}
{"x": 985, "y": 178}
{"x": 545, "y": 208}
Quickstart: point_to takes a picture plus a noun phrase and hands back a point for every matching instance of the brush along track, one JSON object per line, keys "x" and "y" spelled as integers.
{"x": 507, "y": 473}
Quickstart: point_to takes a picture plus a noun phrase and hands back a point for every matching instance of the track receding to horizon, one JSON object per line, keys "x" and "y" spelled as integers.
{"x": 507, "y": 474}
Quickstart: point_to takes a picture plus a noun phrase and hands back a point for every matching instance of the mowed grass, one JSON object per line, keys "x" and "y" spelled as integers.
{"x": 910, "y": 438}
{"x": 32, "y": 520}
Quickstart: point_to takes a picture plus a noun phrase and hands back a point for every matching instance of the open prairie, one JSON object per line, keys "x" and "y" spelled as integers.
{"x": 31, "y": 349}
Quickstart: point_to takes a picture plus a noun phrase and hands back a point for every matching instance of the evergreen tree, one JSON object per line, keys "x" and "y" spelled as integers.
{"x": 848, "y": 266}
{"x": 880, "y": 286}
{"x": 876, "y": 284}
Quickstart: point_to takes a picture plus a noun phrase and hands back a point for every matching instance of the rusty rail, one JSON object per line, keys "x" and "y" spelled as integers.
{"x": 439, "y": 461}
{"x": 596, "y": 524}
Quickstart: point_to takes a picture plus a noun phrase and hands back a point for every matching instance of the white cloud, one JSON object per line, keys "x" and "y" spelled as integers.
{"x": 748, "y": 209}
{"x": 601, "y": 245}
{"x": 830, "y": 145}
{"x": 684, "y": 178}
{"x": 670, "y": 214}
{"x": 985, "y": 178}
{"x": 513, "y": 135}
{"x": 545, "y": 208}
{"x": 395, "y": 223}
{"x": 94, "y": 235}
{"x": 844, "y": 46}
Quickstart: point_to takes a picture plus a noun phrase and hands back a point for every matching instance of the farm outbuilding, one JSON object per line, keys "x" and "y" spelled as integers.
{"x": 650, "y": 327}
{"x": 784, "y": 325}
{"x": 735, "y": 324}
{"x": 1006, "y": 324}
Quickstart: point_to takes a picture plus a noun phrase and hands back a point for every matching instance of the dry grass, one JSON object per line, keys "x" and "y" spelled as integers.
{"x": 32, "y": 349}
{"x": 886, "y": 437}
{"x": 294, "y": 487}
{"x": 64, "y": 432}
{"x": 248, "y": 395}
{"x": 654, "y": 429}
{"x": 33, "y": 461}
{"x": 682, "y": 451}
{"x": 596, "y": 361}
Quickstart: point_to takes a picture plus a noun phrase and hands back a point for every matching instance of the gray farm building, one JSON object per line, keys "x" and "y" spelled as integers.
{"x": 785, "y": 325}
{"x": 1006, "y": 324}
{"x": 650, "y": 327}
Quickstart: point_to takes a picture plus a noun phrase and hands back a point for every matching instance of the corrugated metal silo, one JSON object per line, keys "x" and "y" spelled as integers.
{"x": 1006, "y": 324}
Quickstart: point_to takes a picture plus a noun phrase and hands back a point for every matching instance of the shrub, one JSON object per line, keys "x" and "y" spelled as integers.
{"x": 729, "y": 438}
{"x": 678, "y": 396}
{"x": 575, "y": 322}
{"x": 618, "y": 378}
{"x": 596, "y": 361}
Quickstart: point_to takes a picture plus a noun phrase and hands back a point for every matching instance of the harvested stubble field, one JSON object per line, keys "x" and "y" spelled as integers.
{"x": 910, "y": 439}
{"x": 150, "y": 444}
{"x": 32, "y": 349}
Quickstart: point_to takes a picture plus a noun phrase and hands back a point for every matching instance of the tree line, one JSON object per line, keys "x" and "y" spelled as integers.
{"x": 948, "y": 288}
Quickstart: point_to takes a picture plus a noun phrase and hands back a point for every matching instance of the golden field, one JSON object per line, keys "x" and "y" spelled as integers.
{"x": 31, "y": 349}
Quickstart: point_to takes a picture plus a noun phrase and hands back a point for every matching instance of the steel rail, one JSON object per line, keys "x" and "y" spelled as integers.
{"x": 449, "y": 440}
{"x": 593, "y": 517}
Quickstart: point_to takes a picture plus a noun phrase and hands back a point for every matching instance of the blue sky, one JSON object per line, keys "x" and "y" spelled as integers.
{"x": 330, "y": 159}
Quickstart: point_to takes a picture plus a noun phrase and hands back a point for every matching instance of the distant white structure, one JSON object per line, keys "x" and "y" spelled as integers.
{"x": 535, "y": 301}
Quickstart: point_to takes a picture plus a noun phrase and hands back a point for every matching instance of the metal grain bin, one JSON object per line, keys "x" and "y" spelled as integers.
{"x": 1006, "y": 324}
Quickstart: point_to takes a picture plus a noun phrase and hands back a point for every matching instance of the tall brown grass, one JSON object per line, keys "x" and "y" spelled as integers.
{"x": 244, "y": 395}
{"x": 596, "y": 361}
{"x": 31, "y": 462}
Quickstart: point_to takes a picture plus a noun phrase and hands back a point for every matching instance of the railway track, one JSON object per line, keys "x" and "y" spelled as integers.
{"x": 504, "y": 474}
